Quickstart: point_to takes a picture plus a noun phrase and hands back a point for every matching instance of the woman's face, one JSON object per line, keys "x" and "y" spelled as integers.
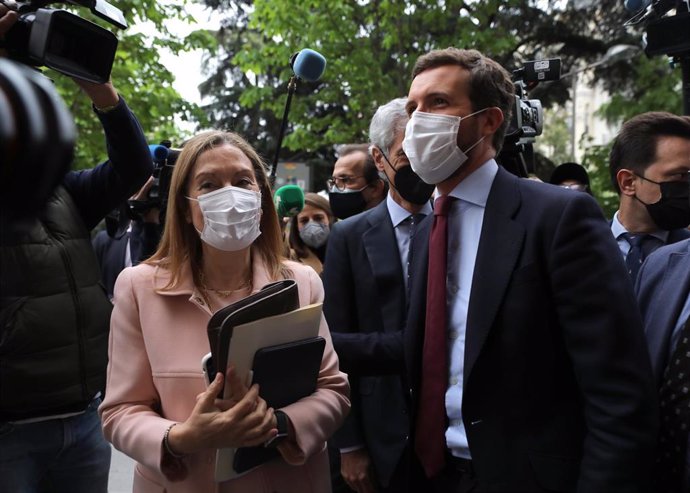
{"x": 311, "y": 213}
{"x": 218, "y": 168}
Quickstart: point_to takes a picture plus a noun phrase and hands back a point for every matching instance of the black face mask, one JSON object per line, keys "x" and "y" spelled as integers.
{"x": 672, "y": 211}
{"x": 346, "y": 204}
{"x": 409, "y": 185}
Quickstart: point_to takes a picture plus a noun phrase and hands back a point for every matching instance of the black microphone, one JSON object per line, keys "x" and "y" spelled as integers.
{"x": 307, "y": 65}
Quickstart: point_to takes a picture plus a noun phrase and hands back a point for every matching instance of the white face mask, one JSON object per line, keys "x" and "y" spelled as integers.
{"x": 431, "y": 145}
{"x": 232, "y": 217}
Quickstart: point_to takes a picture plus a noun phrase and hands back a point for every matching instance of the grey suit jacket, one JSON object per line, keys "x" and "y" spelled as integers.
{"x": 663, "y": 287}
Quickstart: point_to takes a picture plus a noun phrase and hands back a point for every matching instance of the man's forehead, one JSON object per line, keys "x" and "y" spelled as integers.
{"x": 443, "y": 79}
{"x": 350, "y": 162}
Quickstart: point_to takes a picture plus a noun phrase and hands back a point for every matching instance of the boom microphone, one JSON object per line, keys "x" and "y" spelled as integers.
{"x": 289, "y": 200}
{"x": 308, "y": 64}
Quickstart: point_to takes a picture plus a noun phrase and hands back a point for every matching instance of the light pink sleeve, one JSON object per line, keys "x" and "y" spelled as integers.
{"x": 317, "y": 417}
{"x": 128, "y": 414}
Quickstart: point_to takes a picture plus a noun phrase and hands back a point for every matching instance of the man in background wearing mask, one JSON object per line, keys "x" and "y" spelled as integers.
{"x": 355, "y": 185}
{"x": 365, "y": 279}
{"x": 525, "y": 353}
{"x": 650, "y": 166}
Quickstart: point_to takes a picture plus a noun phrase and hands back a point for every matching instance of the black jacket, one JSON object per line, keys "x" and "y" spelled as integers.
{"x": 558, "y": 392}
{"x": 54, "y": 312}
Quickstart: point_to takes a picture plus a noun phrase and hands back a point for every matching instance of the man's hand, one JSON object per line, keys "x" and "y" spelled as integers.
{"x": 356, "y": 470}
{"x": 102, "y": 95}
{"x": 7, "y": 19}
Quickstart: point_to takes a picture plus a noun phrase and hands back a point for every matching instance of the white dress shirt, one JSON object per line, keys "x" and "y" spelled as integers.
{"x": 401, "y": 225}
{"x": 619, "y": 230}
{"x": 465, "y": 220}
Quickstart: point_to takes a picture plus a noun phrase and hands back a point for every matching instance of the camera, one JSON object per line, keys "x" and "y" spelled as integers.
{"x": 37, "y": 136}
{"x": 164, "y": 158}
{"x": 64, "y": 41}
{"x": 666, "y": 34}
{"x": 527, "y": 120}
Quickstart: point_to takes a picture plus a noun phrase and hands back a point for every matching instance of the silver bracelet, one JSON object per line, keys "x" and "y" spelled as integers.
{"x": 166, "y": 443}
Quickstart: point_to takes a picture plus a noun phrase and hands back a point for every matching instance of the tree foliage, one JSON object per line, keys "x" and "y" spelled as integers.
{"x": 139, "y": 76}
{"x": 371, "y": 46}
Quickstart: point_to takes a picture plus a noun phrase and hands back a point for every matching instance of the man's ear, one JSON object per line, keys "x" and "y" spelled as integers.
{"x": 626, "y": 181}
{"x": 492, "y": 121}
{"x": 378, "y": 158}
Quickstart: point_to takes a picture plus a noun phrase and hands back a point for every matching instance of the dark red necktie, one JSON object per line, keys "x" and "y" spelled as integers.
{"x": 430, "y": 434}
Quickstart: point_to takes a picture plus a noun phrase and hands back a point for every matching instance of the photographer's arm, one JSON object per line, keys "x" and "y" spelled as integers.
{"x": 104, "y": 187}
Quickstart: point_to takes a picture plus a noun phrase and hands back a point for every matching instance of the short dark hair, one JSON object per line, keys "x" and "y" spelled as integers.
{"x": 635, "y": 145}
{"x": 371, "y": 174}
{"x": 489, "y": 84}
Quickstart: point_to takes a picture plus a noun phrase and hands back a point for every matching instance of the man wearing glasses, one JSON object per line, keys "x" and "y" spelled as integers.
{"x": 650, "y": 166}
{"x": 355, "y": 185}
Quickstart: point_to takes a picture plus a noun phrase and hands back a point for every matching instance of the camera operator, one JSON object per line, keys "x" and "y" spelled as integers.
{"x": 54, "y": 314}
{"x": 120, "y": 249}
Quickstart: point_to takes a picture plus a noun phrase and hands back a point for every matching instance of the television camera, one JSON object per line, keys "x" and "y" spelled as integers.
{"x": 527, "y": 119}
{"x": 666, "y": 34}
{"x": 62, "y": 40}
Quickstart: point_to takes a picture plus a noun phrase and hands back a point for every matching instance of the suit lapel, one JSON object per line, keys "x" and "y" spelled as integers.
{"x": 674, "y": 289}
{"x": 499, "y": 248}
{"x": 382, "y": 252}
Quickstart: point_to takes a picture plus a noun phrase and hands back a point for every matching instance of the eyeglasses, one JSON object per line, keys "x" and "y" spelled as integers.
{"x": 341, "y": 182}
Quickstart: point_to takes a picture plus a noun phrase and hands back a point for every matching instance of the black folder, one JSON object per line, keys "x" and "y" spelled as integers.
{"x": 286, "y": 369}
{"x": 285, "y": 373}
{"x": 273, "y": 299}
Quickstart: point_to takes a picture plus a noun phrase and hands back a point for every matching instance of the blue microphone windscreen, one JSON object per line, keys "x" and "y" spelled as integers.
{"x": 309, "y": 65}
{"x": 158, "y": 152}
{"x": 635, "y": 5}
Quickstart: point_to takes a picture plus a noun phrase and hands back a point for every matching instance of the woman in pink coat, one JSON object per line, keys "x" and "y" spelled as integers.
{"x": 221, "y": 242}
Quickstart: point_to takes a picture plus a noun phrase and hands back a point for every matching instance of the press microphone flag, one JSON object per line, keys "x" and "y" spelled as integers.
{"x": 306, "y": 65}
{"x": 289, "y": 200}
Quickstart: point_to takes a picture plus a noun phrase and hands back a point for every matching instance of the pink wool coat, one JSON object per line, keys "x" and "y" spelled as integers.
{"x": 157, "y": 340}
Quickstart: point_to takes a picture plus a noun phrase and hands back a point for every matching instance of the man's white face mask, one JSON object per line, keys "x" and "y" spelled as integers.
{"x": 431, "y": 145}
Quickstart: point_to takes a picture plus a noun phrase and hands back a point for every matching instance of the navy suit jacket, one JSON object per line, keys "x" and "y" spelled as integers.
{"x": 558, "y": 390}
{"x": 143, "y": 241}
{"x": 663, "y": 287}
{"x": 365, "y": 309}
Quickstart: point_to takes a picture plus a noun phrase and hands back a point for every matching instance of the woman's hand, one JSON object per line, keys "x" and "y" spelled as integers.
{"x": 241, "y": 421}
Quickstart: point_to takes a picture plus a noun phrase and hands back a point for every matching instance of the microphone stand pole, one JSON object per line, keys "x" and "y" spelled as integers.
{"x": 292, "y": 86}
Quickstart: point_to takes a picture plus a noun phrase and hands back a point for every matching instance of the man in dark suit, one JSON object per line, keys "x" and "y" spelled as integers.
{"x": 649, "y": 165}
{"x": 365, "y": 283}
{"x": 116, "y": 250}
{"x": 525, "y": 353}
{"x": 663, "y": 292}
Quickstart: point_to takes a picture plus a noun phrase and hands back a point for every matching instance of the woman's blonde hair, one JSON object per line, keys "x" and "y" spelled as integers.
{"x": 181, "y": 242}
